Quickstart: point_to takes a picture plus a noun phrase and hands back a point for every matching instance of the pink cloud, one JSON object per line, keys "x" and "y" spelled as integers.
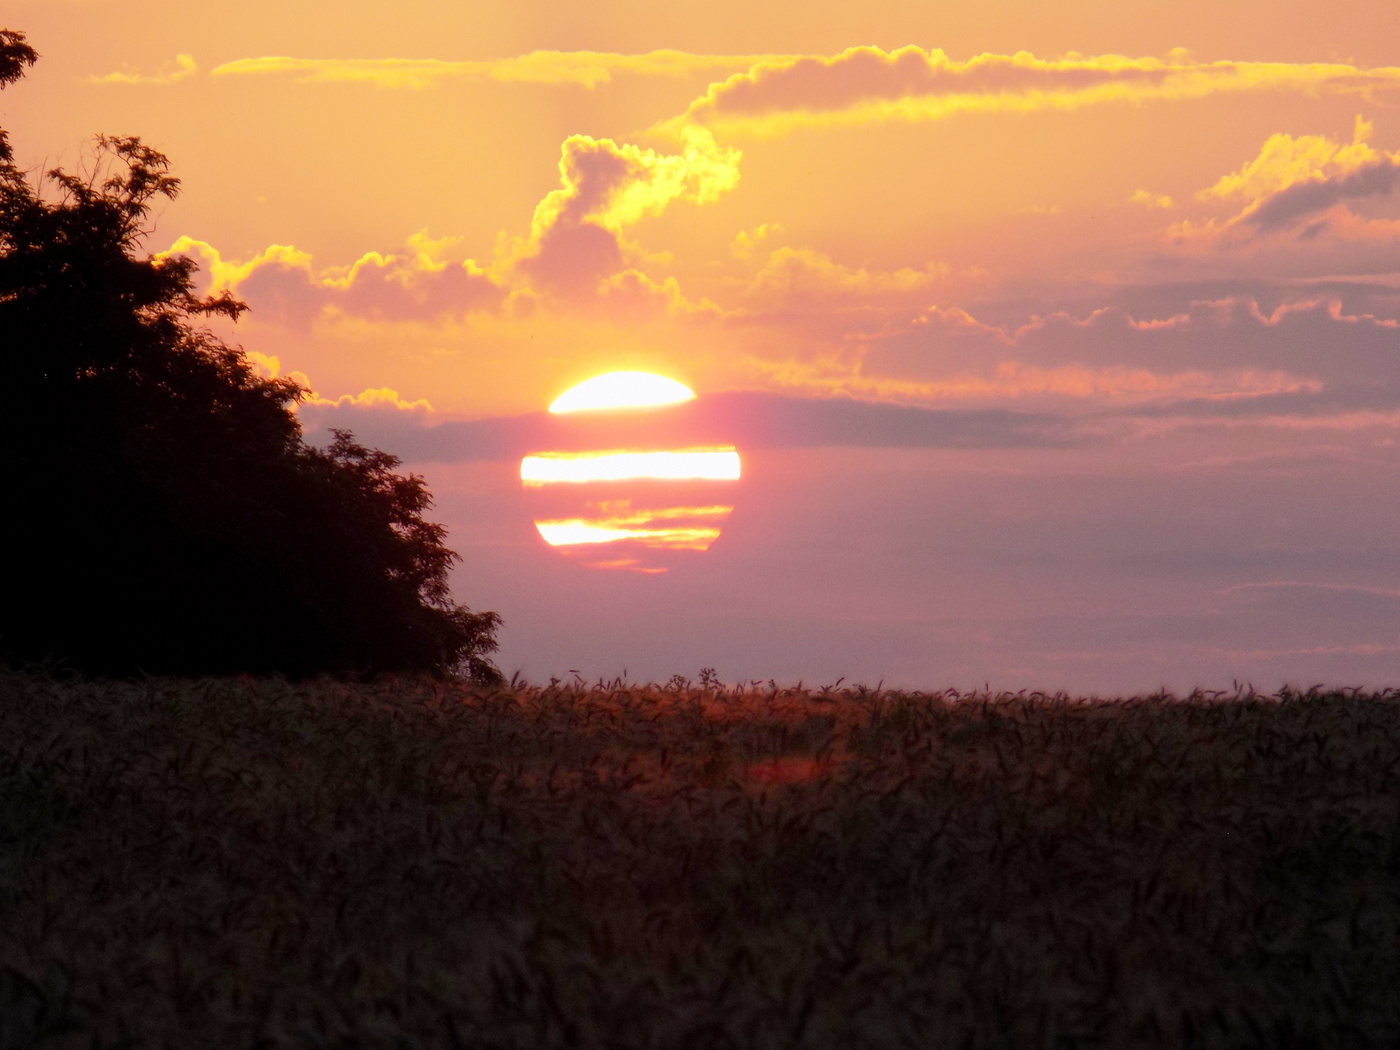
{"x": 869, "y": 84}
{"x": 1218, "y": 350}
{"x": 282, "y": 285}
{"x": 576, "y": 237}
{"x": 1303, "y": 199}
{"x": 1300, "y": 187}
{"x": 862, "y": 74}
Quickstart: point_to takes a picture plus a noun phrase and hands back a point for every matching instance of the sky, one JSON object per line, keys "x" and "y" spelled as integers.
{"x": 1060, "y": 343}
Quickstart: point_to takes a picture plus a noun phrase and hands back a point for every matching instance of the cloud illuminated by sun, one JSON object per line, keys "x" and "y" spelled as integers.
{"x": 622, "y": 390}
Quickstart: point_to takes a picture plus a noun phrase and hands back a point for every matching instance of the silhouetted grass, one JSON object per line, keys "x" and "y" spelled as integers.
{"x": 239, "y": 863}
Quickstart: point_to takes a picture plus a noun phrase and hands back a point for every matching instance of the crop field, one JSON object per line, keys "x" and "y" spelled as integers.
{"x": 419, "y": 864}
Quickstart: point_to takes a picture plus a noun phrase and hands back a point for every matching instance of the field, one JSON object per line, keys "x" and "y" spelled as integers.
{"x": 240, "y": 863}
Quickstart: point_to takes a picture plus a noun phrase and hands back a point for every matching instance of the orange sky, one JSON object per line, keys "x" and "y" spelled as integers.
{"x": 1148, "y": 226}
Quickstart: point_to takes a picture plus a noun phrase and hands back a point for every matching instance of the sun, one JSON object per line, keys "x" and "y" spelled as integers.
{"x": 639, "y": 499}
{"x": 622, "y": 390}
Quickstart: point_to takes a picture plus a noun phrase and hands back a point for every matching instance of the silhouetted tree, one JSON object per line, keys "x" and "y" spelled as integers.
{"x": 15, "y": 55}
{"x": 164, "y": 512}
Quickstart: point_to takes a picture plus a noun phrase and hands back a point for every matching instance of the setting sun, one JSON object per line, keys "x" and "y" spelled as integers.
{"x": 642, "y": 507}
{"x": 622, "y": 390}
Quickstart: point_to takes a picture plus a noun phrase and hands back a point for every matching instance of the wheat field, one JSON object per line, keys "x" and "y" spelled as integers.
{"x": 418, "y": 864}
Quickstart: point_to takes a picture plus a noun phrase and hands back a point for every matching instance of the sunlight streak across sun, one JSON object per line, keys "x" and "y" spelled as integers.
{"x": 622, "y": 390}
{"x": 617, "y": 534}
{"x": 716, "y": 463}
{"x": 576, "y": 531}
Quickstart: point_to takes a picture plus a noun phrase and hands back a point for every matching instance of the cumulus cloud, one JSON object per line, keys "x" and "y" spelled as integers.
{"x": 868, "y": 84}
{"x": 375, "y": 410}
{"x": 1285, "y": 160}
{"x": 269, "y": 366}
{"x": 317, "y": 409}
{"x": 584, "y": 68}
{"x": 282, "y": 283}
{"x": 375, "y": 399}
{"x": 1300, "y": 200}
{"x": 576, "y": 234}
{"x": 1300, "y": 185}
{"x": 379, "y": 417}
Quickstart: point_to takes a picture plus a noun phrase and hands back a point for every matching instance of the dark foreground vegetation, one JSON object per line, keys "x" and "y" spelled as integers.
{"x": 419, "y": 864}
{"x": 163, "y": 512}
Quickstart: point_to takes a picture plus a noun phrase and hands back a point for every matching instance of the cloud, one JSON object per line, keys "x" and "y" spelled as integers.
{"x": 1221, "y": 357}
{"x": 613, "y": 186}
{"x": 868, "y": 84}
{"x": 749, "y": 420}
{"x": 632, "y": 291}
{"x": 1303, "y": 199}
{"x": 1151, "y": 200}
{"x": 1015, "y": 380}
{"x": 575, "y": 238}
{"x": 183, "y": 68}
{"x": 282, "y": 284}
{"x": 802, "y": 288}
{"x": 1345, "y": 225}
{"x": 748, "y": 243}
{"x": 585, "y": 68}
{"x": 1308, "y": 590}
{"x": 793, "y": 274}
{"x": 269, "y": 366}
{"x": 1284, "y": 160}
{"x": 1304, "y": 181}
{"x": 377, "y": 416}
{"x": 1312, "y": 335}
{"x": 376, "y": 399}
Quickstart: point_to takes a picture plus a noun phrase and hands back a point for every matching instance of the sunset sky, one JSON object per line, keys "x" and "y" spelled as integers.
{"x": 1060, "y": 342}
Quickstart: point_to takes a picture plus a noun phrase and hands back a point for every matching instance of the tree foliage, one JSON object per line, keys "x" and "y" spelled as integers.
{"x": 166, "y": 514}
{"x": 15, "y": 56}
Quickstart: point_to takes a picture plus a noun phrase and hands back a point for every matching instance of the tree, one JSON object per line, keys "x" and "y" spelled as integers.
{"x": 15, "y": 56}
{"x": 166, "y": 514}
